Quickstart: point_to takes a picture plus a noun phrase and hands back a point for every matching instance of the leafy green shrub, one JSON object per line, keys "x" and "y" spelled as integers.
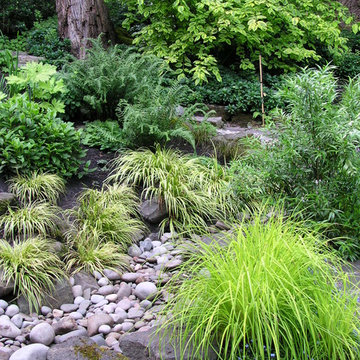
{"x": 239, "y": 92}
{"x": 107, "y": 135}
{"x": 31, "y": 138}
{"x": 31, "y": 220}
{"x": 37, "y": 187}
{"x": 88, "y": 251}
{"x": 192, "y": 34}
{"x": 272, "y": 293}
{"x": 191, "y": 189}
{"x": 111, "y": 213}
{"x": 97, "y": 83}
{"x": 32, "y": 267}
{"x": 314, "y": 161}
{"x": 43, "y": 40}
{"x": 348, "y": 65}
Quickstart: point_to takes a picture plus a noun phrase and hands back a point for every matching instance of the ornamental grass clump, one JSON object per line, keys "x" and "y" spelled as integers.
{"x": 38, "y": 218}
{"x": 111, "y": 212}
{"x": 37, "y": 187}
{"x": 88, "y": 251}
{"x": 274, "y": 292}
{"x": 32, "y": 267}
{"x": 193, "y": 190}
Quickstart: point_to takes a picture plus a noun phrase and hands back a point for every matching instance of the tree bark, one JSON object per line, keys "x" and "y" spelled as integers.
{"x": 81, "y": 20}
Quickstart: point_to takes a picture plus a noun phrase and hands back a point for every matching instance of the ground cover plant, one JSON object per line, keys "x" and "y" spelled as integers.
{"x": 313, "y": 162}
{"x": 272, "y": 293}
{"x": 193, "y": 190}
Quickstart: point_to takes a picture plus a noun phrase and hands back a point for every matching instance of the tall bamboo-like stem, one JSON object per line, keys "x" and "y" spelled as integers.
{"x": 262, "y": 91}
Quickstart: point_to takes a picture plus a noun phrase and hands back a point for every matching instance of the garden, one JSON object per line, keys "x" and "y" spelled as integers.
{"x": 179, "y": 180}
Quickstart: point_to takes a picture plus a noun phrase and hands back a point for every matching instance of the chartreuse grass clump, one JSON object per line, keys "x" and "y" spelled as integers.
{"x": 32, "y": 267}
{"x": 194, "y": 191}
{"x": 273, "y": 293}
{"x": 37, "y": 187}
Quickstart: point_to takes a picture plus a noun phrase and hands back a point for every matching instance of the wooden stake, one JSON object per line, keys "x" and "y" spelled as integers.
{"x": 262, "y": 91}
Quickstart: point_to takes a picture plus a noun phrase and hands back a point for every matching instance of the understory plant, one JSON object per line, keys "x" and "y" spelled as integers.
{"x": 97, "y": 83}
{"x": 313, "y": 161}
{"x": 193, "y": 190}
{"x": 272, "y": 292}
{"x": 107, "y": 135}
{"x": 32, "y": 267}
{"x": 37, "y": 187}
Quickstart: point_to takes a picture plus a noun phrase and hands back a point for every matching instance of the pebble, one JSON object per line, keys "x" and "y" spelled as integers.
{"x": 77, "y": 290}
{"x": 104, "y": 329}
{"x": 106, "y": 290}
{"x": 17, "y": 320}
{"x": 95, "y": 299}
{"x": 124, "y": 304}
{"x": 57, "y": 313}
{"x": 135, "y": 313}
{"x": 84, "y": 306}
{"x": 111, "y": 297}
{"x": 127, "y": 326}
{"x": 134, "y": 251}
{"x": 103, "y": 281}
{"x": 45, "y": 310}
{"x": 112, "y": 275}
{"x": 97, "y": 275}
{"x": 68, "y": 308}
{"x": 78, "y": 300}
{"x": 129, "y": 277}
{"x": 12, "y": 310}
{"x": 124, "y": 291}
{"x": 76, "y": 315}
{"x": 3, "y": 304}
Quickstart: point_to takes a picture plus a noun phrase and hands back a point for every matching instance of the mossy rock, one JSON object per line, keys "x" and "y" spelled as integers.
{"x": 82, "y": 348}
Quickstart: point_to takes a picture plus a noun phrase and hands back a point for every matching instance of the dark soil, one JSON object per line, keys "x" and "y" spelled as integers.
{"x": 99, "y": 161}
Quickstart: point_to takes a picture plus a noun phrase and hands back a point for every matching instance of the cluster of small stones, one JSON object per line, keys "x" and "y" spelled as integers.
{"x": 122, "y": 303}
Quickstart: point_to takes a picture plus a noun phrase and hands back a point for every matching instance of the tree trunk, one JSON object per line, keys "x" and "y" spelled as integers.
{"x": 81, "y": 20}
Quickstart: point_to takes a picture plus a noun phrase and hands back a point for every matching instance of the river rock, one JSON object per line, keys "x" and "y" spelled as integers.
{"x": 95, "y": 321}
{"x": 7, "y": 328}
{"x": 42, "y": 333}
{"x": 146, "y": 290}
{"x": 64, "y": 325}
{"x": 153, "y": 212}
{"x": 112, "y": 275}
{"x": 31, "y": 352}
{"x": 124, "y": 291}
